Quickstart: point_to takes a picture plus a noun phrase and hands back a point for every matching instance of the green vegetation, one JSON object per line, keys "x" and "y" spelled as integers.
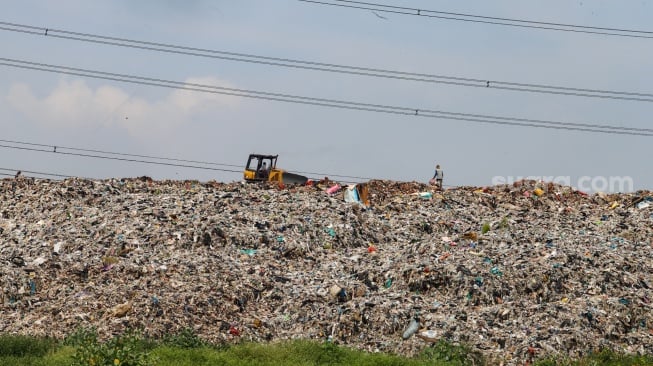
{"x": 129, "y": 349}
{"x": 185, "y": 349}
{"x": 20, "y": 346}
{"x": 301, "y": 353}
{"x": 452, "y": 355}
{"x": 504, "y": 223}
{"x": 185, "y": 339}
{"x": 603, "y": 358}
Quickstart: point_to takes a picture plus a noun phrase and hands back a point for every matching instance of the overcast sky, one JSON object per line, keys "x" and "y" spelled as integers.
{"x": 63, "y": 110}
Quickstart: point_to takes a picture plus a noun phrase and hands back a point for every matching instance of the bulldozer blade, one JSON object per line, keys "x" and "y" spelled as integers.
{"x": 291, "y": 178}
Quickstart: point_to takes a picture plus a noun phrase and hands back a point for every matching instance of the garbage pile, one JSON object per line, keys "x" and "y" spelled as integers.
{"x": 517, "y": 271}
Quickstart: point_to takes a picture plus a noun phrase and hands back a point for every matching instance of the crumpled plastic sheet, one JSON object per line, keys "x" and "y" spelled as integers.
{"x": 510, "y": 273}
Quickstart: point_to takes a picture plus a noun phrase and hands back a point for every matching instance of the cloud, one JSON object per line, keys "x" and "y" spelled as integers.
{"x": 74, "y": 104}
{"x": 189, "y": 100}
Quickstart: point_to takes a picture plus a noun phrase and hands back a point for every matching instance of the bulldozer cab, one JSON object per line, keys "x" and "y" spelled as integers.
{"x": 259, "y": 167}
{"x": 262, "y": 168}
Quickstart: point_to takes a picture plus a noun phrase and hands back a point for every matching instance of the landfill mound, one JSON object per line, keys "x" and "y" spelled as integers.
{"x": 515, "y": 271}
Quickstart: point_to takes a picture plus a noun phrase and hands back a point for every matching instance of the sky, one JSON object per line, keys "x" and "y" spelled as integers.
{"x": 72, "y": 111}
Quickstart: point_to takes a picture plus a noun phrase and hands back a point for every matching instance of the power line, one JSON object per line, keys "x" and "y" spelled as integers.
{"x": 116, "y": 158}
{"x": 341, "y": 104}
{"x": 33, "y": 172}
{"x": 471, "y": 18}
{"x": 58, "y": 149}
{"x": 28, "y": 176}
{"x": 497, "y": 18}
{"x": 333, "y": 68}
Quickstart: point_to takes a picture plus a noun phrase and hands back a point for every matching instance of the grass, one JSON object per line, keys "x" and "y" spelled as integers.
{"x": 299, "y": 353}
{"x": 603, "y": 358}
{"x": 55, "y": 357}
{"x": 186, "y": 349}
{"x": 21, "y": 345}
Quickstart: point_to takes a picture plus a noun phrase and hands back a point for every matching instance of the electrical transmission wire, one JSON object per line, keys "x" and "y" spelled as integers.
{"x": 59, "y": 149}
{"x": 330, "y": 67}
{"x": 117, "y": 158}
{"x": 33, "y": 172}
{"x": 25, "y": 175}
{"x": 56, "y": 148}
{"x": 333, "y": 103}
{"x": 471, "y": 18}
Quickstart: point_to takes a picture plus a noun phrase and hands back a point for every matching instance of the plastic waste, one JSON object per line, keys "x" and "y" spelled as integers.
{"x": 32, "y": 287}
{"x": 331, "y": 232}
{"x": 538, "y": 192}
{"x": 426, "y": 195}
{"x": 342, "y": 295}
{"x": 121, "y": 310}
{"x": 38, "y": 261}
{"x": 287, "y": 285}
{"x": 334, "y": 290}
{"x": 333, "y": 189}
{"x": 351, "y": 194}
{"x": 249, "y": 252}
{"x": 428, "y": 335}
{"x": 234, "y": 331}
{"x": 411, "y": 329}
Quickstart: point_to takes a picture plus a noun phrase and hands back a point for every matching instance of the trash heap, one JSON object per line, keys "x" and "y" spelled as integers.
{"x": 515, "y": 271}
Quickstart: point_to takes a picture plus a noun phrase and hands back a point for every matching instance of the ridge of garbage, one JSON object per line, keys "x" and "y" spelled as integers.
{"x": 515, "y": 271}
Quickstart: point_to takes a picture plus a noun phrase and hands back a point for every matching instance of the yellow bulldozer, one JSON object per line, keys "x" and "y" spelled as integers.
{"x": 263, "y": 168}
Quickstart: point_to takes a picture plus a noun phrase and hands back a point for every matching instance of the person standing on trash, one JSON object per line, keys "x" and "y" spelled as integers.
{"x": 438, "y": 176}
